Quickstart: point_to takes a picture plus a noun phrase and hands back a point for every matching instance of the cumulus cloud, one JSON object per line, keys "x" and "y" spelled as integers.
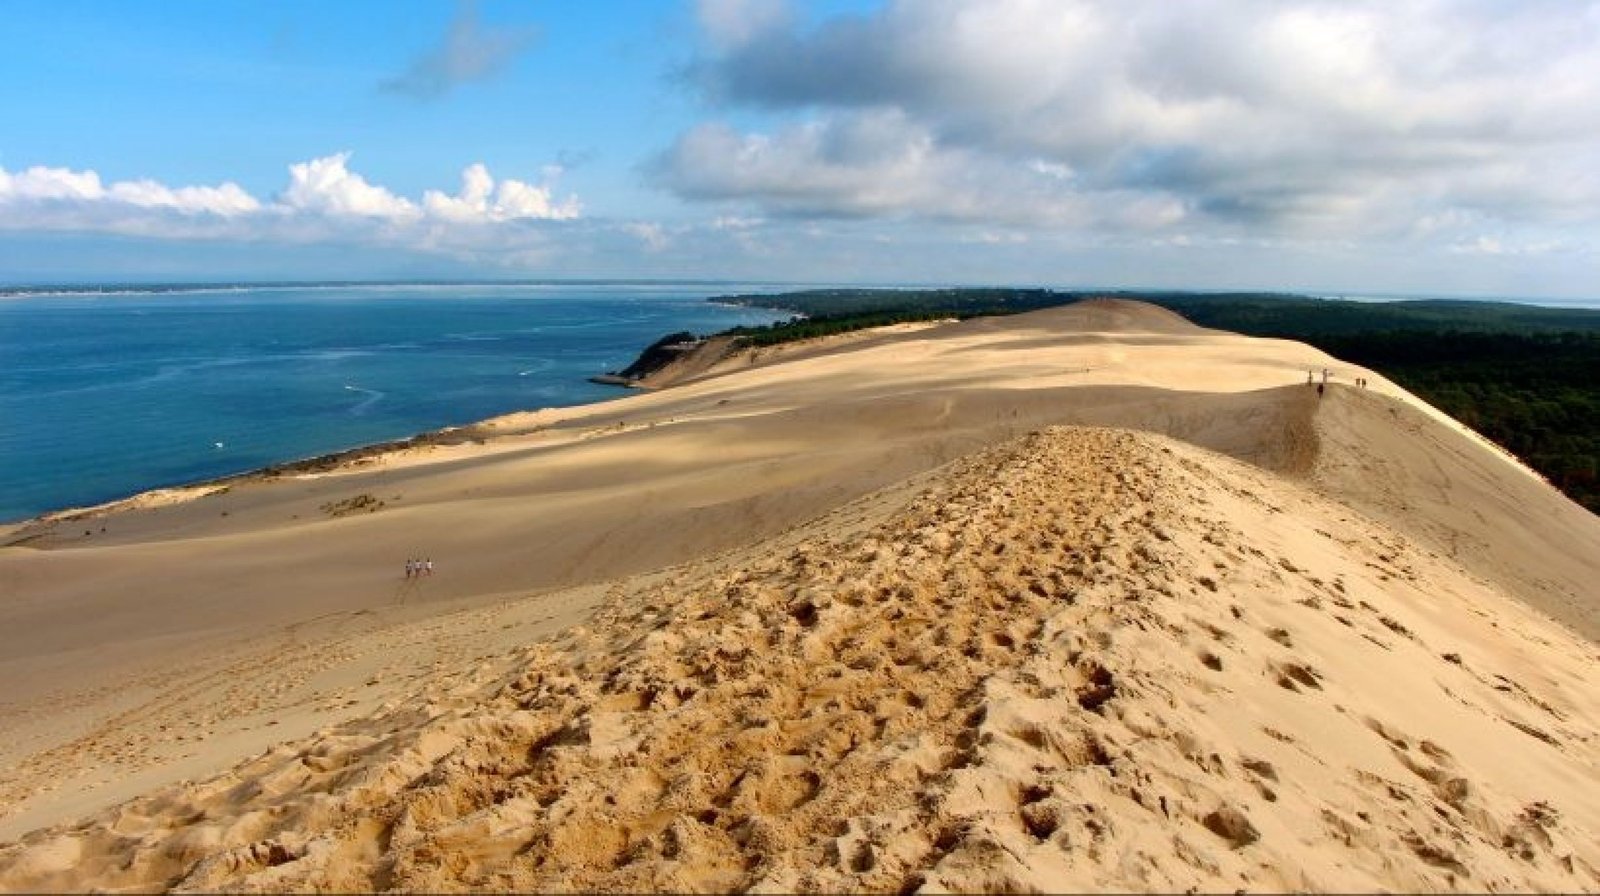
{"x": 327, "y": 186}
{"x": 1297, "y": 117}
{"x": 479, "y": 201}
{"x": 324, "y": 200}
{"x": 40, "y": 184}
{"x": 469, "y": 52}
{"x": 226, "y": 200}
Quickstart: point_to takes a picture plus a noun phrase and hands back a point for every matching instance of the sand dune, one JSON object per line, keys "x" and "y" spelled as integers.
{"x": 1087, "y": 659}
{"x": 855, "y": 629}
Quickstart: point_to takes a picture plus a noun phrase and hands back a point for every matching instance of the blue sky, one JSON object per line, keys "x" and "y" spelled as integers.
{"x": 1401, "y": 147}
{"x": 207, "y": 92}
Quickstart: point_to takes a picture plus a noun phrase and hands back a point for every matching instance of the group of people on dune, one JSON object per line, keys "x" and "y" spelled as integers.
{"x": 1311, "y": 377}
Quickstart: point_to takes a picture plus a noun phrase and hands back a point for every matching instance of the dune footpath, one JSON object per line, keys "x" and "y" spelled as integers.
{"x": 1302, "y": 647}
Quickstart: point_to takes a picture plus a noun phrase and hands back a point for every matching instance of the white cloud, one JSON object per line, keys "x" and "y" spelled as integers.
{"x": 516, "y": 199}
{"x": 1051, "y": 169}
{"x": 653, "y": 235}
{"x": 226, "y": 200}
{"x": 41, "y": 184}
{"x": 480, "y": 202}
{"x": 881, "y": 163}
{"x": 327, "y": 186}
{"x": 1249, "y": 117}
{"x": 323, "y": 201}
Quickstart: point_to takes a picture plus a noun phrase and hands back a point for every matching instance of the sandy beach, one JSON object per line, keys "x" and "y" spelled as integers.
{"x": 1081, "y": 599}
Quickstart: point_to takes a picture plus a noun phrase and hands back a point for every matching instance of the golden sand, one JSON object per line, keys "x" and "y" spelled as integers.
{"x": 860, "y": 616}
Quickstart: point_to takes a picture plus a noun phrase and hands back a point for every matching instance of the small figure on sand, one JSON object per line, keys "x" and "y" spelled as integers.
{"x": 1324, "y": 374}
{"x": 1320, "y": 387}
{"x": 1310, "y": 378}
{"x": 417, "y": 568}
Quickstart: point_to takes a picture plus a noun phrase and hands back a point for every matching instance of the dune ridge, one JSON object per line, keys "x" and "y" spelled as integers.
{"x": 1085, "y": 659}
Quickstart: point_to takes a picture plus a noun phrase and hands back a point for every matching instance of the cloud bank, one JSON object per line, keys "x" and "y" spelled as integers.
{"x": 1455, "y": 123}
{"x": 324, "y": 199}
{"x": 41, "y": 185}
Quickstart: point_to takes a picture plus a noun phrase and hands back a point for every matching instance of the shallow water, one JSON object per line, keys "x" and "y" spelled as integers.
{"x": 105, "y": 395}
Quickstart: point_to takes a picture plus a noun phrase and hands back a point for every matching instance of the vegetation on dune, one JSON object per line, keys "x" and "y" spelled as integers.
{"x": 657, "y": 355}
{"x": 829, "y": 325}
{"x": 1526, "y": 377}
{"x": 831, "y": 311}
{"x": 953, "y": 302}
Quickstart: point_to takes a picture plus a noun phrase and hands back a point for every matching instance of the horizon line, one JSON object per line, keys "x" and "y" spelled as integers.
{"x": 46, "y": 288}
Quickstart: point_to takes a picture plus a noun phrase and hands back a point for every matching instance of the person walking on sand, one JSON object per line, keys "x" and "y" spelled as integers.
{"x": 428, "y": 566}
{"x": 1310, "y": 377}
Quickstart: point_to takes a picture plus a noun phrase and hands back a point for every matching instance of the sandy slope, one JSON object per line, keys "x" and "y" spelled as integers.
{"x": 189, "y": 635}
{"x": 1087, "y": 659}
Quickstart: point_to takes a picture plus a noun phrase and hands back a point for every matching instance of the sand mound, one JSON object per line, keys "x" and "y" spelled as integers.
{"x": 1113, "y": 316}
{"x": 1462, "y": 499}
{"x": 1084, "y": 660}
{"x": 1102, "y": 317}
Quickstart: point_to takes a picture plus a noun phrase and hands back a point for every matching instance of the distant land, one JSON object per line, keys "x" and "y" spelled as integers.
{"x": 17, "y": 290}
{"x": 14, "y": 289}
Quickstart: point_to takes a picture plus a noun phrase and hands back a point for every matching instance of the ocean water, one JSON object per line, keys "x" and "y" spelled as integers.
{"x": 107, "y": 394}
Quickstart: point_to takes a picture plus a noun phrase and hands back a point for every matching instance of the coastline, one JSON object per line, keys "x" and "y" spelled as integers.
{"x": 447, "y": 357}
{"x": 15, "y": 531}
{"x": 478, "y": 432}
{"x": 708, "y": 356}
{"x": 319, "y": 464}
{"x": 193, "y": 637}
{"x": 690, "y": 364}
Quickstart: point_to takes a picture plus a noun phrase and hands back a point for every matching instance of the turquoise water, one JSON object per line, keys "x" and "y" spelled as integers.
{"x": 107, "y": 394}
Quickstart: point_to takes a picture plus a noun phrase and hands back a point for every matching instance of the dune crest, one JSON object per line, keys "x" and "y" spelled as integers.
{"x": 1085, "y": 659}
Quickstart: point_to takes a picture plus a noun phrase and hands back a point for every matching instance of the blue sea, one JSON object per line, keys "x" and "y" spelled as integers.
{"x": 107, "y": 393}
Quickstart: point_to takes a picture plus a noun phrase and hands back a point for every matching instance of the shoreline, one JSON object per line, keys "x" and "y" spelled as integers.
{"x": 326, "y": 462}
{"x": 17, "y": 531}
{"x": 478, "y": 431}
{"x": 318, "y": 464}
